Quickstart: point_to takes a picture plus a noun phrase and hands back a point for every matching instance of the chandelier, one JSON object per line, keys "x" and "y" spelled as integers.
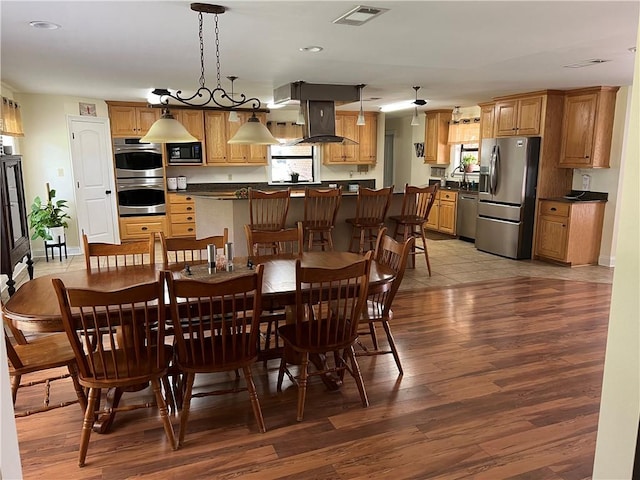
{"x": 170, "y": 130}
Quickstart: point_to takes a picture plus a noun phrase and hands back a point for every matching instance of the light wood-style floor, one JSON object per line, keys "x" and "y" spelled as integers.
{"x": 502, "y": 381}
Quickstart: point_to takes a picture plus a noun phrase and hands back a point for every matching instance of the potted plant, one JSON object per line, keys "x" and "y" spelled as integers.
{"x": 294, "y": 177}
{"x": 48, "y": 220}
{"x": 468, "y": 162}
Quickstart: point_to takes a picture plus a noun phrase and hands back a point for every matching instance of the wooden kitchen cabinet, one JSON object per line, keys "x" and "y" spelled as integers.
{"x": 182, "y": 215}
{"x": 587, "y": 127}
{"x": 443, "y": 215}
{"x": 365, "y": 152}
{"x": 131, "y": 121}
{"x": 487, "y": 120}
{"x": 132, "y": 228}
{"x": 569, "y": 232}
{"x": 193, "y": 121}
{"x": 436, "y": 136}
{"x": 518, "y": 116}
{"x": 218, "y": 130}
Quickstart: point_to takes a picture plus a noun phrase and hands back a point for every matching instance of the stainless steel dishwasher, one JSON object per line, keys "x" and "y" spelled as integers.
{"x": 467, "y": 213}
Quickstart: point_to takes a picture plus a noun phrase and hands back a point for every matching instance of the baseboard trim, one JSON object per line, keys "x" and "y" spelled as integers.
{"x": 607, "y": 261}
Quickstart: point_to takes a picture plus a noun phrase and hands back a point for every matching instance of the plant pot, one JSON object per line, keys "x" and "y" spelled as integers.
{"x": 294, "y": 178}
{"x": 57, "y": 235}
{"x": 469, "y": 168}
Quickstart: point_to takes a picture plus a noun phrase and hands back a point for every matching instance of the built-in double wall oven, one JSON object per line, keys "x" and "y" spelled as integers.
{"x": 139, "y": 177}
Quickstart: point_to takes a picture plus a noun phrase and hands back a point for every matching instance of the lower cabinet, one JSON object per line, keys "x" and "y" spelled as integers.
{"x": 442, "y": 217}
{"x": 182, "y": 215}
{"x": 133, "y": 228}
{"x": 569, "y": 232}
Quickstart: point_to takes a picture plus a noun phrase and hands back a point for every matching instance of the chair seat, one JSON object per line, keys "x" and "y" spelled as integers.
{"x": 222, "y": 356}
{"x": 136, "y": 374}
{"x": 408, "y": 219}
{"x": 48, "y": 351}
{"x": 329, "y": 341}
{"x": 365, "y": 222}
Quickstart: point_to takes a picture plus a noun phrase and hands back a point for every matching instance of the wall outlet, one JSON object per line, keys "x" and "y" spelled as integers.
{"x": 61, "y": 172}
{"x": 586, "y": 182}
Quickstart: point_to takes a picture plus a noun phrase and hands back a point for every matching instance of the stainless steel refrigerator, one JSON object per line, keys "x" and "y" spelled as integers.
{"x": 507, "y": 195}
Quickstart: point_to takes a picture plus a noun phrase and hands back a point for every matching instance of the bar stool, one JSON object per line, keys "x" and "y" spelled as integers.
{"x": 320, "y": 211}
{"x": 371, "y": 210}
{"x": 267, "y": 211}
{"x": 416, "y": 206}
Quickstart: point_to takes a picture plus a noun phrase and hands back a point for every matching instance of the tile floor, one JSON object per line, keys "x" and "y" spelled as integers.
{"x": 453, "y": 262}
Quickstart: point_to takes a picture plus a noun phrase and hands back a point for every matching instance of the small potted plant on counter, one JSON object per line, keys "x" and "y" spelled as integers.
{"x": 294, "y": 177}
{"x": 48, "y": 220}
{"x": 468, "y": 162}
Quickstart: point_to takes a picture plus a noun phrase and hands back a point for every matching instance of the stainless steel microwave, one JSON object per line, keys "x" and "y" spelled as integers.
{"x": 184, "y": 153}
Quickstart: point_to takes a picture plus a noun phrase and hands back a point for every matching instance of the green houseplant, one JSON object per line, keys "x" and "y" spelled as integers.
{"x": 45, "y": 216}
{"x": 468, "y": 161}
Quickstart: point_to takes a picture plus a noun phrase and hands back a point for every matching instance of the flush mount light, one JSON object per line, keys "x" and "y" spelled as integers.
{"x": 42, "y": 25}
{"x": 586, "y": 63}
{"x": 311, "y": 49}
{"x": 252, "y": 132}
{"x": 359, "y": 15}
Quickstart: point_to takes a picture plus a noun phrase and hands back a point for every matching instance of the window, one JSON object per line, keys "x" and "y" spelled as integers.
{"x": 287, "y": 160}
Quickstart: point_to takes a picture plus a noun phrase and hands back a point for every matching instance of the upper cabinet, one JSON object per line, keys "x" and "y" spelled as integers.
{"x": 465, "y": 131}
{"x": 364, "y": 153}
{"x": 193, "y": 121}
{"x": 518, "y": 116}
{"x": 218, "y": 130}
{"x": 131, "y": 121}
{"x": 587, "y": 127}
{"x": 487, "y": 120}
{"x": 436, "y": 135}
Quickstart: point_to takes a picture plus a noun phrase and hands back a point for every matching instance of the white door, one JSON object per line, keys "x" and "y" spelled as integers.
{"x": 94, "y": 179}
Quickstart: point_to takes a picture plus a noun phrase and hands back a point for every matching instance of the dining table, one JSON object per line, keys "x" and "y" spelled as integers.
{"x": 34, "y": 308}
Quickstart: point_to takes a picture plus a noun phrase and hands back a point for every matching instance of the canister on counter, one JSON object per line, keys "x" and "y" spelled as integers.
{"x": 182, "y": 182}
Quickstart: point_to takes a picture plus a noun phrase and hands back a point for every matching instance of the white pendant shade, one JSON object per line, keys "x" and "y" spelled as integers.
{"x": 168, "y": 130}
{"x": 360, "y": 120}
{"x": 252, "y": 132}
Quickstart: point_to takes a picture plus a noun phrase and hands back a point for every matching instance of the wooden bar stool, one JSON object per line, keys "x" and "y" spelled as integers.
{"x": 267, "y": 211}
{"x": 320, "y": 211}
{"x": 416, "y": 205}
{"x": 371, "y": 210}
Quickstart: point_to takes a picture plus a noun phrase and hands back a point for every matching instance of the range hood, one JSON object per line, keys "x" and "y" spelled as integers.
{"x": 318, "y": 104}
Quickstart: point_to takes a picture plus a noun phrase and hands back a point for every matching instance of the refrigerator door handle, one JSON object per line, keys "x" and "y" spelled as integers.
{"x": 493, "y": 173}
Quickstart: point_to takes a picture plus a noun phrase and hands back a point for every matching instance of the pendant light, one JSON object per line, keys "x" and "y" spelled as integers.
{"x": 360, "y": 120}
{"x": 252, "y": 132}
{"x": 233, "y": 115}
{"x": 414, "y": 120}
{"x": 168, "y": 130}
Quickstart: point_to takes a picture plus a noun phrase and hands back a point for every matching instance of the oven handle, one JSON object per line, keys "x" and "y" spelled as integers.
{"x": 123, "y": 188}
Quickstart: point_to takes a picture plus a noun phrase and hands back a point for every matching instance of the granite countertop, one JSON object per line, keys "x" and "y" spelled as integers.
{"x": 580, "y": 196}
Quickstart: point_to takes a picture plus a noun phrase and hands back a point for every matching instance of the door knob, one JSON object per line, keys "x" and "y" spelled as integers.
{"x": 107, "y": 192}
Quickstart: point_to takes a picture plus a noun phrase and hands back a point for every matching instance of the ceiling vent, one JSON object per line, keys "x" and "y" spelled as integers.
{"x": 359, "y": 15}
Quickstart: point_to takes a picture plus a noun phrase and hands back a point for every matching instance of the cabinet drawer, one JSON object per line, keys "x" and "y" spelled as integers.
{"x": 182, "y": 208}
{"x": 177, "y": 198}
{"x": 183, "y": 229}
{"x": 142, "y": 229}
{"x": 448, "y": 196}
{"x": 555, "y": 208}
{"x": 183, "y": 218}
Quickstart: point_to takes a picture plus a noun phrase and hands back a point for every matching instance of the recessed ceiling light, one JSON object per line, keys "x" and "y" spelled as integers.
{"x": 359, "y": 15}
{"x": 41, "y": 24}
{"x": 586, "y": 63}
{"x": 311, "y": 49}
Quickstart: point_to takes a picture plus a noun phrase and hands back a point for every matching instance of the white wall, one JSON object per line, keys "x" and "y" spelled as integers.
{"x": 620, "y": 402}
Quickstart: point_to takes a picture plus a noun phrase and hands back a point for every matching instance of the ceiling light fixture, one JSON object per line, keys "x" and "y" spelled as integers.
{"x": 456, "y": 114}
{"x": 360, "y": 120}
{"x": 414, "y": 120}
{"x": 168, "y": 130}
{"x": 252, "y": 132}
{"x": 311, "y": 49}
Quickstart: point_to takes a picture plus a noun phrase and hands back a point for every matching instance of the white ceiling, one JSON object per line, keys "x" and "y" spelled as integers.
{"x": 461, "y": 53}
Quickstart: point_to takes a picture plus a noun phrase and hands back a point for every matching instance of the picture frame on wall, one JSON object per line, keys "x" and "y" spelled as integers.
{"x": 87, "y": 109}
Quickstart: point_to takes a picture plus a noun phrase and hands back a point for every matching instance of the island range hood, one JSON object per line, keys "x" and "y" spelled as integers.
{"x": 318, "y": 104}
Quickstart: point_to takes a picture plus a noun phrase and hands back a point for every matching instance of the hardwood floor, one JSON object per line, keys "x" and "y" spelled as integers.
{"x": 502, "y": 381}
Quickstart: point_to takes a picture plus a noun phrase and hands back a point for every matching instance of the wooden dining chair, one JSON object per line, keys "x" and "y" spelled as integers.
{"x": 134, "y": 353}
{"x": 328, "y": 309}
{"x": 371, "y": 210}
{"x": 416, "y": 206}
{"x": 45, "y": 352}
{"x": 189, "y": 249}
{"x": 217, "y": 327}
{"x": 320, "y": 211}
{"x": 393, "y": 255}
{"x": 287, "y": 243}
{"x": 105, "y": 255}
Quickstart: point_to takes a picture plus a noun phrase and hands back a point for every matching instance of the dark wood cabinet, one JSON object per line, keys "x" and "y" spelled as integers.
{"x": 15, "y": 229}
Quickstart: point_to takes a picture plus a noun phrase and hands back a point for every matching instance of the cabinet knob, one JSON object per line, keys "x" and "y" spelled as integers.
{"x": 189, "y": 208}
{"x": 190, "y": 229}
{"x": 514, "y": 128}
{"x": 189, "y": 218}
{"x": 143, "y": 228}
{"x": 553, "y": 209}
{"x": 586, "y": 156}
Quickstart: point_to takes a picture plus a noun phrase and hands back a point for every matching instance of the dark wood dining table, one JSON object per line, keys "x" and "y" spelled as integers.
{"x": 33, "y": 308}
